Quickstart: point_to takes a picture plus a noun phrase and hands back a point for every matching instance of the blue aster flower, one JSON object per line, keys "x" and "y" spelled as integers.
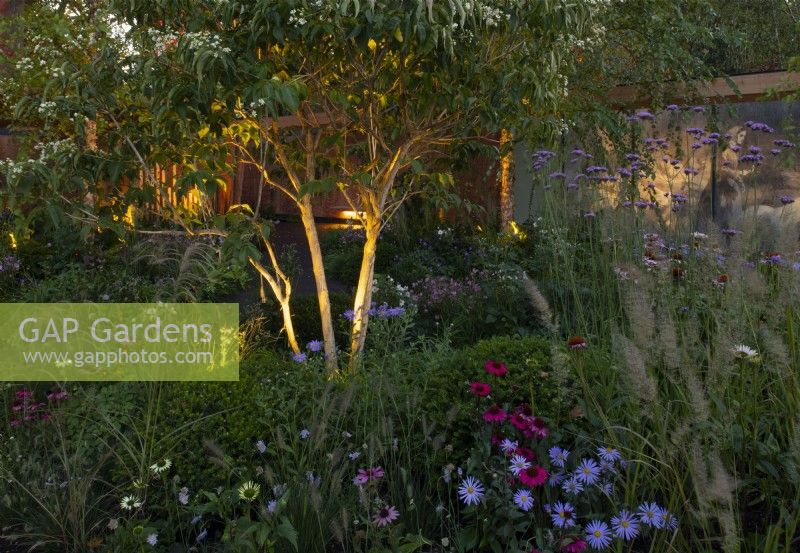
{"x": 625, "y": 526}
{"x": 572, "y": 486}
{"x": 471, "y": 490}
{"x": 558, "y": 456}
{"x": 563, "y": 514}
{"x": 598, "y": 534}
{"x": 668, "y": 520}
{"x": 508, "y": 445}
{"x": 609, "y": 454}
{"x": 556, "y": 478}
{"x": 523, "y": 499}
{"x": 518, "y": 464}
{"x": 606, "y": 466}
{"x": 650, "y": 514}
{"x": 588, "y": 472}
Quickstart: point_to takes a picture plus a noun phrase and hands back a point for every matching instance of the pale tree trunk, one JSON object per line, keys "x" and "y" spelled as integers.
{"x": 373, "y": 206}
{"x": 363, "y": 298}
{"x": 312, "y": 238}
{"x": 286, "y": 311}
{"x": 318, "y": 268}
{"x": 283, "y": 295}
{"x": 506, "y": 181}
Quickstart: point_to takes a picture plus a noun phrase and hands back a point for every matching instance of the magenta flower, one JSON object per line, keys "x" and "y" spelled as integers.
{"x": 495, "y": 368}
{"x": 365, "y": 476}
{"x": 480, "y": 389}
{"x": 386, "y": 516}
{"x": 59, "y": 395}
{"x": 494, "y": 414}
{"x": 537, "y": 428}
{"x": 519, "y": 420}
{"x": 526, "y": 452}
{"x": 574, "y": 545}
{"x": 534, "y": 476}
{"x": 361, "y": 478}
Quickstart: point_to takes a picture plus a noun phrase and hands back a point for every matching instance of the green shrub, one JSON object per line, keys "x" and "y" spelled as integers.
{"x": 270, "y": 393}
{"x": 275, "y": 392}
{"x": 149, "y": 270}
{"x": 531, "y": 379}
{"x": 343, "y": 265}
{"x": 80, "y": 283}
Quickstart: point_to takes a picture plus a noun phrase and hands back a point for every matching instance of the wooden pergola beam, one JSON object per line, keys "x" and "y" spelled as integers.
{"x": 736, "y": 88}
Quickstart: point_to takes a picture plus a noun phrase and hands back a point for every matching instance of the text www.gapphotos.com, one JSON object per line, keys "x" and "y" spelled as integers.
{"x": 119, "y": 357}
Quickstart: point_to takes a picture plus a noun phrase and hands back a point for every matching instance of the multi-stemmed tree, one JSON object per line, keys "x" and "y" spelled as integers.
{"x": 366, "y": 98}
{"x": 359, "y": 97}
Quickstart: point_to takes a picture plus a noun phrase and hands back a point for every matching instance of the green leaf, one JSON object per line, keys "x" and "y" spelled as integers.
{"x": 412, "y": 542}
{"x": 287, "y": 531}
{"x": 469, "y": 537}
{"x": 265, "y": 229}
{"x": 319, "y": 186}
{"x": 769, "y": 468}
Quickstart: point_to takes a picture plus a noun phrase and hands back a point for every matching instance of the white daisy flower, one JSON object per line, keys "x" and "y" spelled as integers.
{"x": 130, "y": 502}
{"x": 745, "y": 352}
{"x": 160, "y": 466}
